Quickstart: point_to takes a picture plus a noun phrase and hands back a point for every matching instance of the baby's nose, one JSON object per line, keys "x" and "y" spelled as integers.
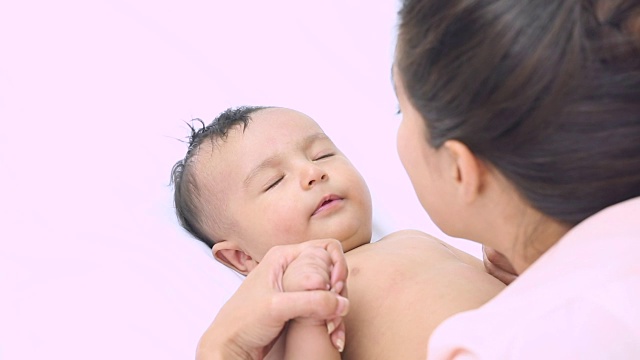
{"x": 322, "y": 178}
{"x": 314, "y": 176}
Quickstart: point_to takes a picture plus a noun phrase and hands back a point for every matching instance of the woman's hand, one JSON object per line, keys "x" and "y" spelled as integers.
{"x": 249, "y": 323}
{"x": 312, "y": 271}
{"x": 498, "y": 265}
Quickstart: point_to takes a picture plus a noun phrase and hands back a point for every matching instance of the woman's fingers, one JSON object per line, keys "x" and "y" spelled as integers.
{"x": 315, "y": 304}
{"x": 249, "y": 322}
{"x": 286, "y": 254}
{"x": 338, "y": 337}
{"x": 309, "y": 271}
{"x": 324, "y": 256}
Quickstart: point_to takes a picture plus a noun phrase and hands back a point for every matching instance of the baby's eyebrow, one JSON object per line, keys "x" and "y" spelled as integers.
{"x": 272, "y": 160}
{"x": 265, "y": 164}
{"x": 313, "y": 138}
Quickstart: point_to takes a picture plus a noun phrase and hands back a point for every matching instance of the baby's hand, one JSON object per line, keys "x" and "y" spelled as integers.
{"x": 310, "y": 271}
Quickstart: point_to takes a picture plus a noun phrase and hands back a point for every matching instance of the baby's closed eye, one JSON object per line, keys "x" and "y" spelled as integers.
{"x": 323, "y": 156}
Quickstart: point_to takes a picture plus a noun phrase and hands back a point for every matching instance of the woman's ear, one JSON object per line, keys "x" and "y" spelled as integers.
{"x": 231, "y": 255}
{"x": 467, "y": 170}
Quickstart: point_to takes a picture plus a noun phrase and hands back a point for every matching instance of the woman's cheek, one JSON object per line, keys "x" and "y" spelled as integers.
{"x": 403, "y": 144}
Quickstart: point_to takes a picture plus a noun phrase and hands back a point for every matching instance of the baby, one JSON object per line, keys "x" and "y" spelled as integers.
{"x": 259, "y": 177}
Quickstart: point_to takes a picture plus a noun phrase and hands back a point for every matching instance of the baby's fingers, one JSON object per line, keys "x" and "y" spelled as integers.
{"x": 339, "y": 270}
{"x": 311, "y": 280}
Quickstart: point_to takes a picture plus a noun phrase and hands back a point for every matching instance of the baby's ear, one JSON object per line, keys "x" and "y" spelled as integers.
{"x": 231, "y": 255}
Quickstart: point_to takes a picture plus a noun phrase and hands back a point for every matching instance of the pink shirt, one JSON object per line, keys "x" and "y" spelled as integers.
{"x": 580, "y": 300}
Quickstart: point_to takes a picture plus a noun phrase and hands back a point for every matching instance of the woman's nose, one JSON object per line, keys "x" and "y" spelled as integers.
{"x": 313, "y": 175}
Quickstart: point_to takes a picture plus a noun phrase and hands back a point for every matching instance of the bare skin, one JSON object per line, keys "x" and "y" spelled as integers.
{"x": 286, "y": 175}
{"x": 401, "y": 288}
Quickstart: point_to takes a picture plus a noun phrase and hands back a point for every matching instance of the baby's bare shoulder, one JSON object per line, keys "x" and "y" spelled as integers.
{"x": 399, "y": 257}
{"x": 411, "y": 281}
{"x": 408, "y": 237}
{"x": 415, "y": 248}
{"x": 397, "y": 245}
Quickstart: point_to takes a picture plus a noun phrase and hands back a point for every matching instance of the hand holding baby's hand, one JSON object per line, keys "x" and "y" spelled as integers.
{"x": 314, "y": 270}
{"x": 310, "y": 271}
{"x": 252, "y": 319}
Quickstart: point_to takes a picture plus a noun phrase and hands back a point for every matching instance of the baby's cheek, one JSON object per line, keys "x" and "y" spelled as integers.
{"x": 285, "y": 224}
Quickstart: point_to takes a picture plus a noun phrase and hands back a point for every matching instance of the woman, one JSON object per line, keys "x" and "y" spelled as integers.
{"x": 523, "y": 119}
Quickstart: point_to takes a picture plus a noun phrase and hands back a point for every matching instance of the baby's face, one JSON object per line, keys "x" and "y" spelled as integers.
{"x": 283, "y": 181}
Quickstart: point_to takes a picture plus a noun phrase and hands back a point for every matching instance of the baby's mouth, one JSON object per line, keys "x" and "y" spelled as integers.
{"x": 326, "y": 202}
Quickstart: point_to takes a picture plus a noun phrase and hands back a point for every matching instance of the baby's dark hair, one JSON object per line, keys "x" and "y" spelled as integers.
{"x": 186, "y": 196}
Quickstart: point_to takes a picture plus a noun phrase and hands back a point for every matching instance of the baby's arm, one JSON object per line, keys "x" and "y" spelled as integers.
{"x": 308, "y": 338}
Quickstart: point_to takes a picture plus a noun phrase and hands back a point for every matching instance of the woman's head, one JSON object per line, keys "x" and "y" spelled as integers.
{"x": 545, "y": 92}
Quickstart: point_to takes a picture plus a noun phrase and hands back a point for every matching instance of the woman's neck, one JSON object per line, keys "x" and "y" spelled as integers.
{"x": 533, "y": 240}
{"x": 502, "y": 219}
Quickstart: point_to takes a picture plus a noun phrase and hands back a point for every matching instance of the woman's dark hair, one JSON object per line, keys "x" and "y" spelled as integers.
{"x": 186, "y": 196}
{"x": 548, "y": 92}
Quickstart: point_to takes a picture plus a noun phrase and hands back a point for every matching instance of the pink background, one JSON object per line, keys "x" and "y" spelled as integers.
{"x": 93, "y": 95}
